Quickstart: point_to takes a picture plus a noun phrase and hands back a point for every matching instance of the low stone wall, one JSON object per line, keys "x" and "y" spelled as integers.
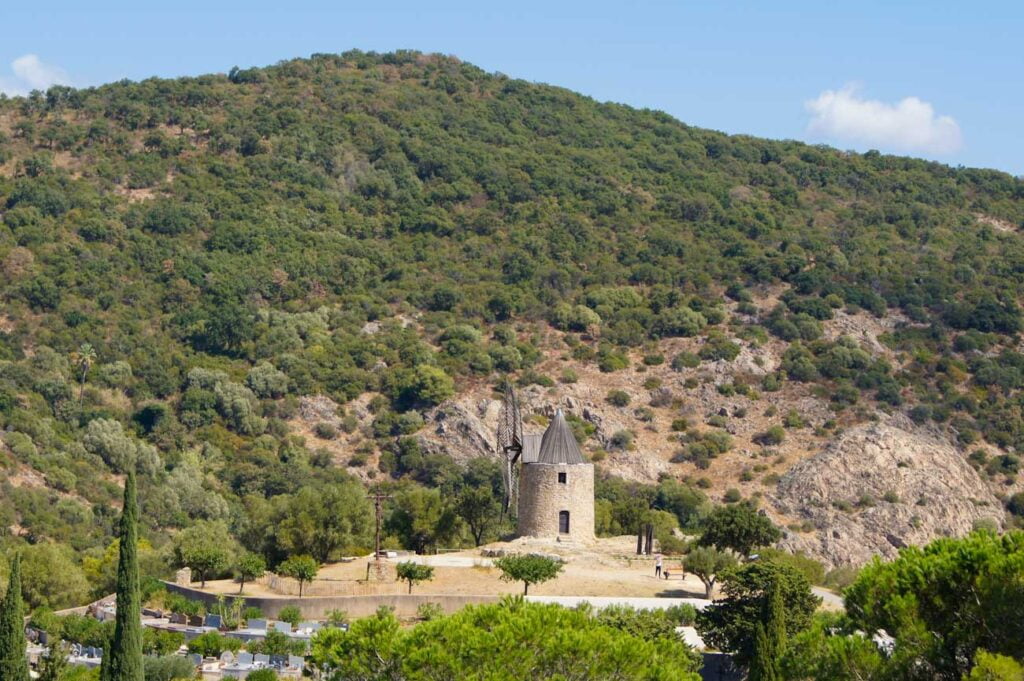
{"x": 315, "y": 607}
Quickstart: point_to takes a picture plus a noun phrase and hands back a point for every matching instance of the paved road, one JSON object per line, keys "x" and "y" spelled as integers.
{"x": 828, "y": 598}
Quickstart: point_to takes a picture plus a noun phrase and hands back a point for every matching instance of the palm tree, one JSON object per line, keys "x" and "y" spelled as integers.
{"x": 83, "y": 359}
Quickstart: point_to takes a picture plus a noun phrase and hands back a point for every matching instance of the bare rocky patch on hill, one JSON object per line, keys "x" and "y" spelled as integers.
{"x": 880, "y": 487}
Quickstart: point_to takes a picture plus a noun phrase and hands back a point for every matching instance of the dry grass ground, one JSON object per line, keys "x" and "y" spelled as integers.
{"x": 604, "y": 568}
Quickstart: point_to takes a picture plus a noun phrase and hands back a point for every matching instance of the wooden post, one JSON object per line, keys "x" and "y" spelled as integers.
{"x": 378, "y": 506}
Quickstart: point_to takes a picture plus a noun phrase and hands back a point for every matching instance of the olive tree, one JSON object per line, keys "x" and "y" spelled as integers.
{"x": 528, "y": 569}
{"x": 413, "y": 573}
{"x": 206, "y": 547}
{"x": 738, "y": 527}
{"x": 250, "y": 566}
{"x": 707, "y": 563}
{"x": 300, "y": 568}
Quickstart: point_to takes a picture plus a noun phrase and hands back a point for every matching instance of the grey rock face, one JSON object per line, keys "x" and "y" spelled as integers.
{"x": 462, "y": 431}
{"x": 878, "y": 488}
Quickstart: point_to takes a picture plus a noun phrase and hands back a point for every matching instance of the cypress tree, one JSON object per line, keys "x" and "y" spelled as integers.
{"x": 775, "y": 627}
{"x": 763, "y": 665}
{"x": 769, "y": 640}
{"x": 123, "y": 662}
{"x": 13, "y": 663}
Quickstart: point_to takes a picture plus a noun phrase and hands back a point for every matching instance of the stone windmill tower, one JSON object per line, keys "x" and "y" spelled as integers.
{"x": 556, "y": 487}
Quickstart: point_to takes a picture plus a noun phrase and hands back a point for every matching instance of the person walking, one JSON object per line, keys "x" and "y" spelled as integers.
{"x": 657, "y": 565}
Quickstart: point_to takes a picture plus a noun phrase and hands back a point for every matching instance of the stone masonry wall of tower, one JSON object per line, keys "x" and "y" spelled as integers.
{"x": 542, "y": 497}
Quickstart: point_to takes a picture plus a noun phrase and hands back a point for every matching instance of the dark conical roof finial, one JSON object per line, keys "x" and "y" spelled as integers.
{"x": 559, "y": 444}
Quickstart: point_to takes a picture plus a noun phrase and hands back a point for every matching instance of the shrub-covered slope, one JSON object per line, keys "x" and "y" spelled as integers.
{"x": 181, "y": 260}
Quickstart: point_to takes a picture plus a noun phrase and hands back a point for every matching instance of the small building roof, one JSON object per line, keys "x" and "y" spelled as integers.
{"x": 559, "y": 444}
{"x": 531, "y": 447}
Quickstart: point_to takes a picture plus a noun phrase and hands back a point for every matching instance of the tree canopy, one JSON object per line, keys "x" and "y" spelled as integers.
{"x": 303, "y": 569}
{"x": 250, "y": 566}
{"x": 528, "y": 568}
{"x": 511, "y": 640}
{"x": 206, "y": 547}
{"x": 413, "y": 573}
{"x": 946, "y": 601}
{"x": 707, "y": 563}
{"x": 732, "y": 623}
{"x": 738, "y": 527}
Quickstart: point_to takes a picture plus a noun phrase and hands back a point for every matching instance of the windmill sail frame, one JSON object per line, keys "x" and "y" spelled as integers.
{"x": 510, "y": 446}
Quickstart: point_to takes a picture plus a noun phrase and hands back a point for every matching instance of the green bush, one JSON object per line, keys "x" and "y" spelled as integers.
{"x": 793, "y": 419}
{"x": 291, "y": 614}
{"x": 811, "y": 569}
{"x": 617, "y": 398}
{"x": 251, "y": 613}
{"x": 717, "y": 347}
{"x": 612, "y": 361}
{"x": 771, "y": 437}
{"x": 621, "y": 439}
{"x": 680, "y": 425}
{"x": 1015, "y": 505}
{"x": 429, "y": 611}
{"x": 325, "y": 431}
{"x": 685, "y": 360}
{"x": 168, "y": 668}
{"x": 212, "y": 644}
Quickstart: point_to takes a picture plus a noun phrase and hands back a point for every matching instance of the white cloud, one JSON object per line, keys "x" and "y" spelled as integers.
{"x": 31, "y": 73}
{"x": 908, "y": 125}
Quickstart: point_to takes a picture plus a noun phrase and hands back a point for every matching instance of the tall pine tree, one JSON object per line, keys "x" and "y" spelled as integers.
{"x": 123, "y": 662}
{"x": 13, "y": 663}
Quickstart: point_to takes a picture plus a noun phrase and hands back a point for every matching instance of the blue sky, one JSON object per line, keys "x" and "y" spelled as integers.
{"x": 940, "y": 79}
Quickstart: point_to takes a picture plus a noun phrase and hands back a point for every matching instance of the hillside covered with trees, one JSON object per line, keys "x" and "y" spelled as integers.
{"x": 182, "y": 260}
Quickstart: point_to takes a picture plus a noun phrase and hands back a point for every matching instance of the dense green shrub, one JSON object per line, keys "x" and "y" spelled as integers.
{"x": 685, "y": 360}
{"x": 617, "y": 398}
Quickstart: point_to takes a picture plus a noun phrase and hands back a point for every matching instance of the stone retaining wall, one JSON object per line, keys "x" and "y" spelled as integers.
{"x": 315, "y": 607}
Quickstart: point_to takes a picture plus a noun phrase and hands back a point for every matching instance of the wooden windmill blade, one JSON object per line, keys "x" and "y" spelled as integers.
{"x": 508, "y": 479}
{"x": 510, "y": 444}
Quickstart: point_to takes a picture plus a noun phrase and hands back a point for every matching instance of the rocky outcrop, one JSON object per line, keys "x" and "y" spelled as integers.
{"x": 749, "y": 362}
{"x": 880, "y": 487}
{"x": 461, "y": 429}
{"x": 317, "y": 408}
{"x": 465, "y": 428}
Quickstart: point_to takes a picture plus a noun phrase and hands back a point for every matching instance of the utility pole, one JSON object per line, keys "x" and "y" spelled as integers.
{"x": 378, "y": 506}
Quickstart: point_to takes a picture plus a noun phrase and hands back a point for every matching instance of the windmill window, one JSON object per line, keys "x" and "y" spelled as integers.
{"x": 561, "y": 478}
{"x": 563, "y": 522}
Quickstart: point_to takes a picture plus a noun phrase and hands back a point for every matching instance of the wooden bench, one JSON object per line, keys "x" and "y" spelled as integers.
{"x": 667, "y": 571}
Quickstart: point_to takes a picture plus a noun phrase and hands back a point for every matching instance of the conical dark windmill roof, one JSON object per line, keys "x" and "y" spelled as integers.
{"x": 559, "y": 444}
